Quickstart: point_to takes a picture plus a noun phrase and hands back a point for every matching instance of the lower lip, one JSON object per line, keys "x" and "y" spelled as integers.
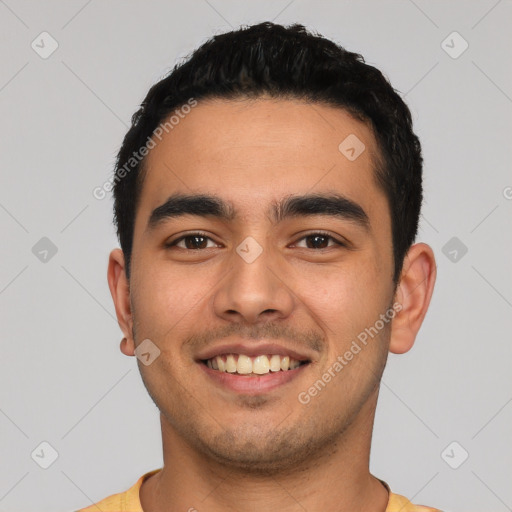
{"x": 253, "y": 385}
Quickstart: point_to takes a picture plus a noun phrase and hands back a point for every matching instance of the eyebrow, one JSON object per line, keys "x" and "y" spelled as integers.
{"x": 206, "y": 205}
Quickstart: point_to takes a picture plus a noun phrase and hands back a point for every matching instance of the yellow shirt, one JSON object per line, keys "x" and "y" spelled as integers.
{"x": 129, "y": 501}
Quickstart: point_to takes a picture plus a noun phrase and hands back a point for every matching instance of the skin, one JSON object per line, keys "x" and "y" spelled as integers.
{"x": 224, "y": 450}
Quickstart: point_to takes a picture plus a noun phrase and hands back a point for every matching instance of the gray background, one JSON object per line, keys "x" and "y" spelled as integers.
{"x": 63, "y": 379}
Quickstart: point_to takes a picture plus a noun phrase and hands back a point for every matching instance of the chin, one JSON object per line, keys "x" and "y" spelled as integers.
{"x": 268, "y": 451}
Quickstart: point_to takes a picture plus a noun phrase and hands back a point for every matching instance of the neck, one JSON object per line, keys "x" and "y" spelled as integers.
{"x": 339, "y": 475}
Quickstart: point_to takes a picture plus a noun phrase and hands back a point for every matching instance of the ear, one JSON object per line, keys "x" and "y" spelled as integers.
{"x": 120, "y": 291}
{"x": 414, "y": 292}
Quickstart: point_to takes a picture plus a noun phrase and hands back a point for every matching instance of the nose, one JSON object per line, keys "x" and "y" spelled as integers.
{"x": 253, "y": 292}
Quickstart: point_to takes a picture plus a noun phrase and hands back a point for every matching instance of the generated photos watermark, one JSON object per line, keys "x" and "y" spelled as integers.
{"x": 100, "y": 192}
{"x": 341, "y": 361}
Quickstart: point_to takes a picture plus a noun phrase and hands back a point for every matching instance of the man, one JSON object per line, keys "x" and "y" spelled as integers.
{"x": 267, "y": 198}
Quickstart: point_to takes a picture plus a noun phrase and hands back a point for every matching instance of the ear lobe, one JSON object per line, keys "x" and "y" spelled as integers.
{"x": 414, "y": 292}
{"x": 120, "y": 291}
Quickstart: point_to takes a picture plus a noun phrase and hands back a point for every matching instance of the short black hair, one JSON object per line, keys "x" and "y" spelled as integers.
{"x": 291, "y": 62}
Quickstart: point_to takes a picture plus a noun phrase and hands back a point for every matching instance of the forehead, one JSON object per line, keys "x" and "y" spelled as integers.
{"x": 254, "y": 152}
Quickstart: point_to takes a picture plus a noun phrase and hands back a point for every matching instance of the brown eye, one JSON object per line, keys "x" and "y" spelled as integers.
{"x": 320, "y": 241}
{"x": 194, "y": 241}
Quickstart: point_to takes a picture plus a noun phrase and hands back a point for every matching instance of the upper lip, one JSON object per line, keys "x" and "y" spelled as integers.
{"x": 251, "y": 350}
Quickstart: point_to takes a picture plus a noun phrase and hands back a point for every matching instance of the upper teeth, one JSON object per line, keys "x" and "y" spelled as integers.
{"x": 234, "y": 363}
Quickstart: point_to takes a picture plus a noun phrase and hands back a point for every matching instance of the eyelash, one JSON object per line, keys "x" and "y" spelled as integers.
{"x": 204, "y": 235}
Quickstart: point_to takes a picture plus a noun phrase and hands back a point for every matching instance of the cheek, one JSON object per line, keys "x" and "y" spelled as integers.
{"x": 344, "y": 300}
{"x": 165, "y": 297}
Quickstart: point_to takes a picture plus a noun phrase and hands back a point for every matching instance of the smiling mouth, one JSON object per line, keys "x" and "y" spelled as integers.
{"x": 240, "y": 364}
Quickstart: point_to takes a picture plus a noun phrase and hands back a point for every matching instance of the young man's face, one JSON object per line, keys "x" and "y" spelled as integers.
{"x": 259, "y": 285}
